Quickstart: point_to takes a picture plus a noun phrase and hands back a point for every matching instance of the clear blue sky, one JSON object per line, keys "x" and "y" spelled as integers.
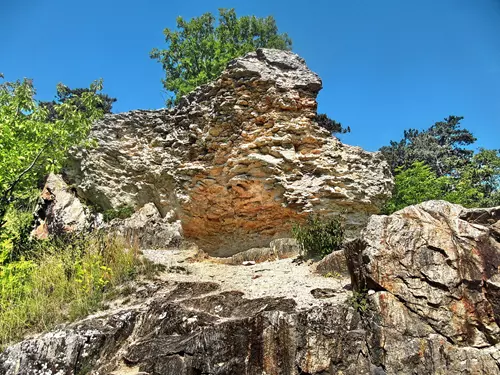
{"x": 386, "y": 65}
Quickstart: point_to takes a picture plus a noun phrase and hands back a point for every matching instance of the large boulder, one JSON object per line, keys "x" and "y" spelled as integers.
{"x": 429, "y": 274}
{"x": 237, "y": 161}
{"x": 147, "y": 228}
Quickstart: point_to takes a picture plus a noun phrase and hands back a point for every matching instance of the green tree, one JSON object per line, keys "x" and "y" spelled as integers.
{"x": 199, "y": 50}
{"x": 415, "y": 184}
{"x": 30, "y": 145}
{"x": 64, "y": 93}
{"x": 477, "y": 184}
{"x": 441, "y": 147}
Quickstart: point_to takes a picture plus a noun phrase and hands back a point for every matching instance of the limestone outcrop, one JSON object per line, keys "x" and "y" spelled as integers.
{"x": 432, "y": 277}
{"x": 237, "y": 161}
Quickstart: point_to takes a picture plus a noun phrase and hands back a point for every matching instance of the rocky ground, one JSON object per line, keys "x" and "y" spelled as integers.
{"x": 425, "y": 300}
{"x": 260, "y": 316}
{"x": 283, "y": 278}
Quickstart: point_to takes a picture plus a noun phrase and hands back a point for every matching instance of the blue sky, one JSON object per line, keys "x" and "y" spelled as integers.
{"x": 386, "y": 65}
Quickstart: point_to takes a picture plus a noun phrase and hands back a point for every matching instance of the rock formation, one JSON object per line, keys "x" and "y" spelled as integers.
{"x": 237, "y": 161}
{"x": 231, "y": 168}
{"x": 61, "y": 211}
{"x": 194, "y": 329}
{"x": 435, "y": 294}
{"x": 425, "y": 301}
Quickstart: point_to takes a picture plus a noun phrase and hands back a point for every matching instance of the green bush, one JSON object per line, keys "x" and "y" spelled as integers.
{"x": 15, "y": 234}
{"x": 319, "y": 237}
{"x": 359, "y": 301}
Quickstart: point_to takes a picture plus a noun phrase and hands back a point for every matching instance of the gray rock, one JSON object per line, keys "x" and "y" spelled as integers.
{"x": 193, "y": 330}
{"x": 148, "y": 229}
{"x": 434, "y": 270}
{"x": 333, "y": 264}
{"x": 280, "y": 248}
{"x": 61, "y": 211}
{"x": 285, "y": 248}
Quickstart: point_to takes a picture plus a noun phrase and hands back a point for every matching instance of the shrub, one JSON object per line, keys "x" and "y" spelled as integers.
{"x": 359, "y": 301}
{"x": 15, "y": 234}
{"x": 319, "y": 237}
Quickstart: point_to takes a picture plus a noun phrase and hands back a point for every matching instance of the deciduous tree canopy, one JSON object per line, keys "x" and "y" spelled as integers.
{"x": 199, "y": 50}
{"x": 30, "y": 144}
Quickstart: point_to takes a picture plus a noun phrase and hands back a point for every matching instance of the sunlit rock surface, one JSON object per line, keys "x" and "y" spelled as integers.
{"x": 432, "y": 270}
{"x": 237, "y": 161}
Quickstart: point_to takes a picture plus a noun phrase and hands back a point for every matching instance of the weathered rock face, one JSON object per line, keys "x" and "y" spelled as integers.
{"x": 237, "y": 161}
{"x": 148, "y": 229}
{"x": 426, "y": 301}
{"x": 434, "y": 272}
{"x": 192, "y": 328}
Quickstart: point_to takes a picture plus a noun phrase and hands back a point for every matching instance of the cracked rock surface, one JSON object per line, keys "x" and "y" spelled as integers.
{"x": 183, "y": 323}
{"x": 425, "y": 301}
{"x": 435, "y": 309}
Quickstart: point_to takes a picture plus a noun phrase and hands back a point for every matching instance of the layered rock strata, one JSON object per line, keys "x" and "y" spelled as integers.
{"x": 237, "y": 161}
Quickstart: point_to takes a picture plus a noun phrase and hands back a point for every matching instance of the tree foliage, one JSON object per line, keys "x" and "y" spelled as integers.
{"x": 199, "y": 50}
{"x": 64, "y": 94}
{"x": 416, "y": 184}
{"x": 441, "y": 147}
{"x": 331, "y": 125}
{"x": 435, "y": 164}
{"x": 30, "y": 145}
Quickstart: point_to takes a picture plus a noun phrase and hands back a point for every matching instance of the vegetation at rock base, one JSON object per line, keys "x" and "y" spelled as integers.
{"x": 62, "y": 279}
{"x": 199, "y": 50}
{"x": 319, "y": 236}
{"x": 436, "y": 164}
{"x": 359, "y": 301}
{"x": 121, "y": 212}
